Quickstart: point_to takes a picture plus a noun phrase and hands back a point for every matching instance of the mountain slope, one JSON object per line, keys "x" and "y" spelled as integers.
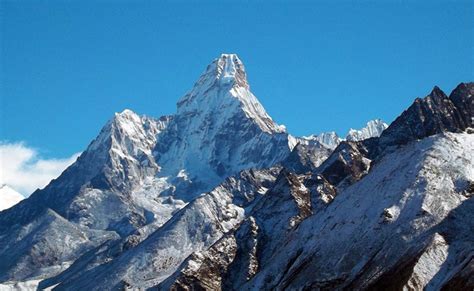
{"x": 351, "y": 160}
{"x": 387, "y": 220}
{"x": 49, "y": 240}
{"x": 195, "y": 227}
{"x": 398, "y": 213}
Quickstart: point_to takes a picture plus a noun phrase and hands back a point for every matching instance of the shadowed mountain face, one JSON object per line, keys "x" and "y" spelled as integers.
{"x": 219, "y": 196}
{"x": 433, "y": 114}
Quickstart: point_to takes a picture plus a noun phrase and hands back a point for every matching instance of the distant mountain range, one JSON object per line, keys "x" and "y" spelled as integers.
{"x": 331, "y": 140}
{"x": 220, "y": 197}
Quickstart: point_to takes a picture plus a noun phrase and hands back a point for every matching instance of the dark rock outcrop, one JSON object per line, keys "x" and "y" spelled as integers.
{"x": 431, "y": 115}
{"x": 346, "y": 165}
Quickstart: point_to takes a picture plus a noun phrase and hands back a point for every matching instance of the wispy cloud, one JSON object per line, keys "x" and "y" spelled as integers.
{"x": 23, "y": 169}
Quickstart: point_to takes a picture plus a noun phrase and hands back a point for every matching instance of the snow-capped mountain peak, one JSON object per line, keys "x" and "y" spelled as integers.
{"x": 222, "y": 93}
{"x": 373, "y": 128}
{"x": 329, "y": 139}
{"x": 225, "y": 71}
{"x": 127, "y": 133}
{"x": 230, "y": 69}
{"x": 127, "y": 114}
{"x": 220, "y": 127}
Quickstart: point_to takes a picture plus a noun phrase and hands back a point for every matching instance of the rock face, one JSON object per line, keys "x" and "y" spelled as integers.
{"x": 306, "y": 156}
{"x": 220, "y": 197}
{"x": 346, "y": 165}
{"x": 238, "y": 256}
{"x": 463, "y": 98}
{"x": 433, "y": 114}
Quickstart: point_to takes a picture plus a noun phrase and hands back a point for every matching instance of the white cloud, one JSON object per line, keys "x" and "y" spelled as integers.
{"x": 23, "y": 169}
{"x": 9, "y": 197}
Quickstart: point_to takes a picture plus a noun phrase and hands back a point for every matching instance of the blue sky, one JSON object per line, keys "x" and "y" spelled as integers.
{"x": 66, "y": 67}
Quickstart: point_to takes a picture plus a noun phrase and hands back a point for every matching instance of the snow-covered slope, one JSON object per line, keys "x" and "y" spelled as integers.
{"x": 413, "y": 214}
{"x": 382, "y": 222}
{"x": 9, "y": 197}
{"x": 46, "y": 246}
{"x": 197, "y": 226}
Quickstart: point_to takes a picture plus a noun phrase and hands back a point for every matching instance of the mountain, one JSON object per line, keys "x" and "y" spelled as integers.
{"x": 424, "y": 118}
{"x": 433, "y": 114}
{"x": 220, "y": 129}
{"x": 9, "y": 197}
{"x": 374, "y": 128}
{"x": 331, "y": 140}
{"x": 219, "y": 196}
{"x": 306, "y": 156}
{"x": 140, "y": 171}
{"x": 311, "y": 151}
